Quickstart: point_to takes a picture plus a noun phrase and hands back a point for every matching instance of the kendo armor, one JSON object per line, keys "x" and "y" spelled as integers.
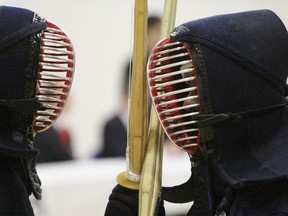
{"x": 36, "y": 72}
{"x": 219, "y": 87}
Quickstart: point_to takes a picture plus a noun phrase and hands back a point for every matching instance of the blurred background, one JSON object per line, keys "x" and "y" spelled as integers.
{"x": 102, "y": 34}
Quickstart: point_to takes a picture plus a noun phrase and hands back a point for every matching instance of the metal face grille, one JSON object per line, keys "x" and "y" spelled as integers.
{"x": 174, "y": 91}
{"x": 55, "y": 74}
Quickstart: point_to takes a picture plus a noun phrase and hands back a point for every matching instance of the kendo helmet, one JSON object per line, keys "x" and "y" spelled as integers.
{"x": 219, "y": 86}
{"x": 36, "y": 71}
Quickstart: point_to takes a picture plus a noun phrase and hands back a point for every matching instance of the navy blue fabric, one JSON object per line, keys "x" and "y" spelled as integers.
{"x": 20, "y": 34}
{"x": 13, "y": 61}
{"x": 14, "y": 199}
{"x": 114, "y": 140}
{"x": 256, "y": 39}
{"x": 261, "y": 200}
{"x": 246, "y": 61}
{"x": 124, "y": 202}
{"x": 14, "y": 74}
{"x": 18, "y": 176}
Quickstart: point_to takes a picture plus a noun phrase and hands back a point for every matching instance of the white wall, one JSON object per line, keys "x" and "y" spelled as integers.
{"x": 102, "y": 35}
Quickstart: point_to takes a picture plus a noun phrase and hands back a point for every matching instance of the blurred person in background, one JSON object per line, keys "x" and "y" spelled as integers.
{"x": 55, "y": 144}
{"x": 115, "y": 129}
{"x": 52, "y": 147}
